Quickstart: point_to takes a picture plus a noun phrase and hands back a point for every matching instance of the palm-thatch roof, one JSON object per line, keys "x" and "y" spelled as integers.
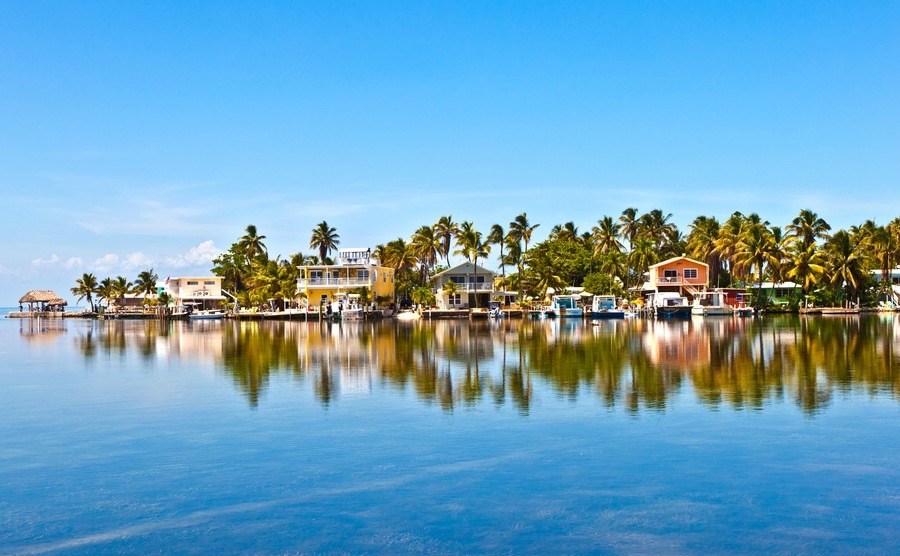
{"x": 43, "y": 296}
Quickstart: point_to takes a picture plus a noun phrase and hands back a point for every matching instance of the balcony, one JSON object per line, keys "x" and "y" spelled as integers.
{"x": 335, "y": 282}
{"x": 468, "y": 288}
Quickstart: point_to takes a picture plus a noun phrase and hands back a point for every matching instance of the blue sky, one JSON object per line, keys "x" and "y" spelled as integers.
{"x": 137, "y": 135}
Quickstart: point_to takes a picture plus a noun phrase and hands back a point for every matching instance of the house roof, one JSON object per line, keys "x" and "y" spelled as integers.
{"x": 673, "y": 259}
{"x": 42, "y": 296}
{"x": 773, "y": 285}
{"x": 466, "y": 268}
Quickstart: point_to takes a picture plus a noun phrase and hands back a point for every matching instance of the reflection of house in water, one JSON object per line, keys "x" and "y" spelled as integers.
{"x": 676, "y": 344}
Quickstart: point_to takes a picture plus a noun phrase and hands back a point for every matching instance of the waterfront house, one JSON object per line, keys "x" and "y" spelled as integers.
{"x": 894, "y": 278}
{"x": 204, "y": 292}
{"x": 474, "y": 287}
{"x": 776, "y": 293}
{"x": 680, "y": 275}
{"x": 355, "y": 269}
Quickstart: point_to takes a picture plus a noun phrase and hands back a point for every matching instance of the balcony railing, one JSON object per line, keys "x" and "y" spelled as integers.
{"x": 473, "y": 287}
{"x": 327, "y": 281}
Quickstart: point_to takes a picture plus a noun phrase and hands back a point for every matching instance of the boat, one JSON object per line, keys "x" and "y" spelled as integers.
{"x": 670, "y": 304}
{"x": 346, "y": 307}
{"x": 605, "y": 307}
{"x": 710, "y": 303}
{"x": 566, "y": 306}
{"x": 207, "y": 314}
{"x": 496, "y": 310}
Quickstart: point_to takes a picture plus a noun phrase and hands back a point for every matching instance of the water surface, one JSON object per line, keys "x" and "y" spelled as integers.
{"x": 707, "y": 435}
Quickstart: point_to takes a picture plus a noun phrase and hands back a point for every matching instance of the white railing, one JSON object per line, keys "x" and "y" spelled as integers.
{"x": 474, "y": 287}
{"x": 327, "y": 281}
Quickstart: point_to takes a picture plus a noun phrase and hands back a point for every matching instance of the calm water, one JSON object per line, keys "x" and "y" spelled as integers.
{"x": 705, "y": 436}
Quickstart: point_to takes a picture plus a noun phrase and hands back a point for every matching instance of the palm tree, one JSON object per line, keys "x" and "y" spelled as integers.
{"x": 845, "y": 263}
{"x": 630, "y": 225}
{"x": 807, "y": 227}
{"x": 657, "y": 227}
{"x": 251, "y": 243}
{"x": 727, "y": 240}
{"x": 445, "y": 230}
{"x": 106, "y": 290}
{"x": 325, "y": 239}
{"x": 564, "y": 232}
{"x": 427, "y": 248}
{"x": 497, "y": 236}
{"x": 86, "y": 287}
{"x": 755, "y": 251}
{"x": 805, "y": 266}
{"x": 701, "y": 244}
{"x": 605, "y": 236}
{"x": 521, "y": 230}
{"x": 643, "y": 254}
{"x": 145, "y": 283}
{"x": 472, "y": 248}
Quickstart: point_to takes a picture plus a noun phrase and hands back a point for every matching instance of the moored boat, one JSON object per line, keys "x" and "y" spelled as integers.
{"x": 566, "y": 306}
{"x": 670, "y": 304}
{"x": 605, "y": 307}
{"x": 710, "y": 303}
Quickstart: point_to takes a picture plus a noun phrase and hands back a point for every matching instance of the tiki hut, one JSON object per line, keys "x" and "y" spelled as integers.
{"x": 45, "y": 300}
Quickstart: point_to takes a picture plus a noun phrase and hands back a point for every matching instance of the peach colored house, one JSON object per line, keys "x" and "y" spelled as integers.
{"x": 679, "y": 274}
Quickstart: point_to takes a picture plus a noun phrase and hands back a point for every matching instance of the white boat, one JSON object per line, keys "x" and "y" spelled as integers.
{"x": 605, "y": 307}
{"x": 210, "y": 314}
{"x": 346, "y": 307}
{"x": 670, "y": 304}
{"x": 566, "y": 306}
{"x": 710, "y": 303}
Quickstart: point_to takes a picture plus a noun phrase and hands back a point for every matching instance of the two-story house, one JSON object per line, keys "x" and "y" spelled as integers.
{"x": 200, "y": 291}
{"x": 679, "y": 274}
{"x": 355, "y": 269}
{"x": 473, "y": 287}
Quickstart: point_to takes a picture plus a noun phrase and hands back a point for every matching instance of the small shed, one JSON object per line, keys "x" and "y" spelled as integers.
{"x": 43, "y": 300}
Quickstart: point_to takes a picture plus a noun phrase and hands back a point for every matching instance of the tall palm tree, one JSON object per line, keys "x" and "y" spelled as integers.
{"x": 427, "y": 248}
{"x": 86, "y": 287}
{"x": 472, "y": 248}
{"x": 252, "y": 243}
{"x": 807, "y": 227}
{"x": 521, "y": 229}
{"x": 846, "y": 265}
{"x": 630, "y": 225}
{"x": 657, "y": 227}
{"x": 605, "y": 236}
{"x": 701, "y": 244}
{"x": 643, "y": 254}
{"x": 497, "y": 236}
{"x": 325, "y": 239}
{"x": 727, "y": 240}
{"x": 755, "y": 250}
{"x": 445, "y": 230}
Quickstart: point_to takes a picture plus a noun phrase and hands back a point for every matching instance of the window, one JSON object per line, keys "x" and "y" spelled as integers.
{"x": 362, "y": 275}
{"x": 670, "y": 275}
{"x": 209, "y": 282}
{"x": 193, "y": 283}
{"x": 454, "y": 299}
{"x": 458, "y": 279}
{"x": 690, "y": 274}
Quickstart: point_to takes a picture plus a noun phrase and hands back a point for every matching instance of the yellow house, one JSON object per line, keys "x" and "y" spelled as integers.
{"x": 355, "y": 269}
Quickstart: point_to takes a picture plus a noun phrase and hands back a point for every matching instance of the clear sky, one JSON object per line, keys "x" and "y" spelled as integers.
{"x": 150, "y": 134}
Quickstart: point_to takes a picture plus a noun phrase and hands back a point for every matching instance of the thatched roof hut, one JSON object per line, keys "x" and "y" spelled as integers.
{"x": 44, "y": 297}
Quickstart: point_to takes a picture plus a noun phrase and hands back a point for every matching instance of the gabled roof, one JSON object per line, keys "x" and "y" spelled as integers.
{"x": 466, "y": 268}
{"x": 673, "y": 259}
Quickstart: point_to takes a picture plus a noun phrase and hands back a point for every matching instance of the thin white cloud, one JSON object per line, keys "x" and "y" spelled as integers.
{"x": 51, "y": 261}
{"x": 74, "y": 262}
